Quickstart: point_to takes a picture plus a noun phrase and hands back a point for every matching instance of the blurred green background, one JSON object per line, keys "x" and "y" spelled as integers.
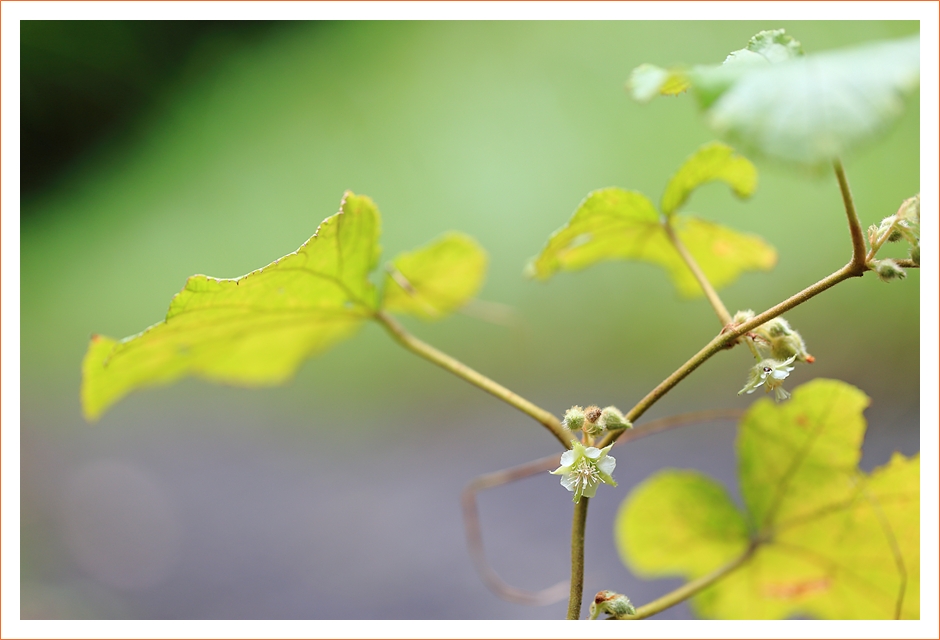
{"x": 155, "y": 150}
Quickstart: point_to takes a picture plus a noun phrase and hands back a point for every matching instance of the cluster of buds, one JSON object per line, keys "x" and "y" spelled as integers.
{"x": 776, "y": 339}
{"x": 584, "y": 468}
{"x": 903, "y": 225}
{"x": 594, "y": 420}
{"x": 778, "y": 345}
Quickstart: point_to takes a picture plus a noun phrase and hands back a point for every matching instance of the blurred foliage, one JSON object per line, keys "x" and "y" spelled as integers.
{"x": 84, "y": 80}
{"x": 499, "y": 134}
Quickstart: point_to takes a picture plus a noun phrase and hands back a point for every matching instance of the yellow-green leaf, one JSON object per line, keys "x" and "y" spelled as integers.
{"x": 615, "y": 224}
{"x": 795, "y": 456}
{"x": 679, "y": 522}
{"x": 436, "y": 279}
{"x": 713, "y": 161}
{"x": 254, "y": 330}
{"x": 834, "y": 542}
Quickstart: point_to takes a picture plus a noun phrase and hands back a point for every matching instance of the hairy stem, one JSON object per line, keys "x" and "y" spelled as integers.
{"x": 703, "y": 282}
{"x": 855, "y": 227}
{"x": 578, "y": 522}
{"x": 689, "y": 589}
{"x": 723, "y": 340}
{"x": 459, "y": 369}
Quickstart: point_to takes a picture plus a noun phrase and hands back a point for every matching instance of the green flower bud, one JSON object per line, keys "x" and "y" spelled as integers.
{"x": 612, "y": 420}
{"x": 915, "y": 255}
{"x": 887, "y": 269}
{"x": 616, "y": 605}
{"x": 779, "y": 341}
{"x": 574, "y": 418}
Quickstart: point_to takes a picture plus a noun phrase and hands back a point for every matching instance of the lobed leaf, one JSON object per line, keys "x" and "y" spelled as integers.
{"x": 615, "y": 224}
{"x": 835, "y": 542}
{"x": 713, "y": 161}
{"x": 254, "y": 330}
{"x": 795, "y": 456}
{"x": 436, "y": 279}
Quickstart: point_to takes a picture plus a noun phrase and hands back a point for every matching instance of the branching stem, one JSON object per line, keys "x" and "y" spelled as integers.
{"x": 459, "y": 369}
{"x": 723, "y": 340}
{"x": 855, "y": 226}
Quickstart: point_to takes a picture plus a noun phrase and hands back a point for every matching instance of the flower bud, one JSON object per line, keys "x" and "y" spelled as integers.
{"x": 592, "y": 420}
{"x": 612, "y": 420}
{"x": 779, "y": 341}
{"x": 887, "y": 269}
{"x": 574, "y": 418}
{"x": 616, "y": 605}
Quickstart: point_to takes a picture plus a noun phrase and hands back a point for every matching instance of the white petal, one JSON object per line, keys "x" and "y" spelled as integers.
{"x": 593, "y": 453}
{"x": 569, "y": 481}
{"x": 568, "y": 458}
{"x": 590, "y": 490}
{"x": 780, "y": 374}
{"x": 607, "y": 464}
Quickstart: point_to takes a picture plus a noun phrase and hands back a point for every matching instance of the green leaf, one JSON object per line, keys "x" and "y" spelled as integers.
{"x": 436, "y": 279}
{"x": 713, "y": 161}
{"x": 615, "y": 224}
{"x": 697, "y": 526}
{"x": 835, "y": 542}
{"x": 794, "y": 456}
{"x": 810, "y": 109}
{"x": 254, "y": 330}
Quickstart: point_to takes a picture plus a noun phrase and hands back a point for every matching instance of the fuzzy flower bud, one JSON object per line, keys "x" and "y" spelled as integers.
{"x": 584, "y": 468}
{"x": 887, "y": 269}
{"x": 612, "y": 420}
{"x": 574, "y": 418}
{"x": 616, "y": 605}
{"x": 778, "y": 340}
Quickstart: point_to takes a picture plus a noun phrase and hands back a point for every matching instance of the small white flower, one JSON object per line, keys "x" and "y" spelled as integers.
{"x": 770, "y": 373}
{"x": 584, "y": 468}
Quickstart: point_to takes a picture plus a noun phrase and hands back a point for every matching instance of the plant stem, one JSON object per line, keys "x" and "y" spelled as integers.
{"x": 459, "y": 369}
{"x": 689, "y": 589}
{"x": 578, "y": 522}
{"x": 855, "y": 226}
{"x": 722, "y": 340}
{"x": 707, "y": 287}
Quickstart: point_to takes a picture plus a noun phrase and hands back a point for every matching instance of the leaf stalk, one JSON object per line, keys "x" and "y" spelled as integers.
{"x": 459, "y": 369}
